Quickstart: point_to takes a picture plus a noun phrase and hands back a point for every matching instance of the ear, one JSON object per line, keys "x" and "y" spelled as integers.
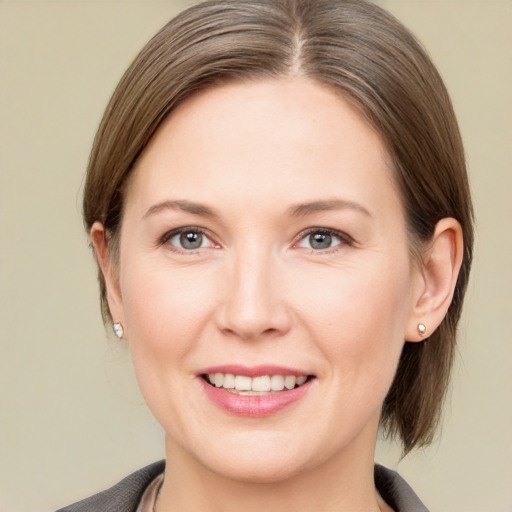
{"x": 437, "y": 279}
{"x": 104, "y": 258}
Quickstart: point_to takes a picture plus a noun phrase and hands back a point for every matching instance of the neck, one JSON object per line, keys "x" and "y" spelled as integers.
{"x": 338, "y": 484}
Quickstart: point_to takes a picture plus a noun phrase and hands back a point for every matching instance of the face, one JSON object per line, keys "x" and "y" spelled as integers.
{"x": 265, "y": 281}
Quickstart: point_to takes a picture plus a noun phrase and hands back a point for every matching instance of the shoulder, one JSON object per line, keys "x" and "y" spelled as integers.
{"x": 396, "y": 491}
{"x": 123, "y": 496}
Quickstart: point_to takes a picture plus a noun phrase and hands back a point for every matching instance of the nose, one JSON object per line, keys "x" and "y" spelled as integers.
{"x": 253, "y": 304}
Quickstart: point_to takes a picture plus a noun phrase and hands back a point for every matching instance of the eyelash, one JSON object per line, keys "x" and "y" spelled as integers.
{"x": 345, "y": 240}
{"x": 167, "y": 237}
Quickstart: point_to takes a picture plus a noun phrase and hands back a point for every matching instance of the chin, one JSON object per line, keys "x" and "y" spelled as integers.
{"x": 257, "y": 471}
{"x": 254, "y": 458}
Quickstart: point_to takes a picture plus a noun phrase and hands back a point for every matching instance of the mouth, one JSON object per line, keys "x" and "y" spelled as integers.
{"x": 255, "y": 386}
{"x": 255, "y": 392}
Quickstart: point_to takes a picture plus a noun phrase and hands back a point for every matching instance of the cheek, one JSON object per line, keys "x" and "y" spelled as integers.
{"x": 164, "y": 306}
{"x": 357, "y": 315}
{"x": 165, "y": 312}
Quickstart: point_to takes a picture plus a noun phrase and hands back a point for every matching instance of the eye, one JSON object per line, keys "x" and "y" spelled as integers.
{"x": 322, "y": 239}
{"x": 188, "y": 239}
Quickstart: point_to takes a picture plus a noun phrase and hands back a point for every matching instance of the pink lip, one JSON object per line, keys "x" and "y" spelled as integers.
{"x": 253, "y": 405}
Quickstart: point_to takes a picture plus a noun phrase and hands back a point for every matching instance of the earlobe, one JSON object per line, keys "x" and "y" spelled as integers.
{"x": 107, "y": 268}
{"x": 440, "y": 269}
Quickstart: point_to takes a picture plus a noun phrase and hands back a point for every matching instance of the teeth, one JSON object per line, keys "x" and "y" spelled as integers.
{"x": 290, "y": 381}
{"x": 260, "y": 384}
{"x": 229, "y": 381}
{"x": 243, "y": 383}
{"x": 277, "y": 382}
{"x": 219, "y": 380}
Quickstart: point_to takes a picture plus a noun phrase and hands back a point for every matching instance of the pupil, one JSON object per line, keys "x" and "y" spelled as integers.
{"x": 320, "y": 240}
{"x": 191, "y": 240}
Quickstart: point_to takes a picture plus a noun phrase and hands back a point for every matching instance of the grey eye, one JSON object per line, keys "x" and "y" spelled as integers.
{"x": 189, "y": 240}
{"x": 320, "y": 240}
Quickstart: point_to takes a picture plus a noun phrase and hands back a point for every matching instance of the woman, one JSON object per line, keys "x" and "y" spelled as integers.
{"x": 278, "y": 204}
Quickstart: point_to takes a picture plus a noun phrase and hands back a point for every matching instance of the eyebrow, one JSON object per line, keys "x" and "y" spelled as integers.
{"x": 302, "y": 210}
{"x": 185, "y": 206}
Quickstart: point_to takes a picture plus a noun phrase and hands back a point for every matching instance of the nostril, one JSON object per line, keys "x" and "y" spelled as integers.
{"x": 253, "y": 311}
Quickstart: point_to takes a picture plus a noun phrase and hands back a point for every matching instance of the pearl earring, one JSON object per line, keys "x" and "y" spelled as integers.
{"x": 422, "y": 329}
{"x": 118, "y": 330}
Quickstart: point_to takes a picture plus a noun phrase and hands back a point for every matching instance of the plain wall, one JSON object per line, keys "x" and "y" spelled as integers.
{"x": 71, "y": 418}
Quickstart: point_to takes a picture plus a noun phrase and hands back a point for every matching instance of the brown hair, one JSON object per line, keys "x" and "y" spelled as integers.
{"x": 360, "y": 51}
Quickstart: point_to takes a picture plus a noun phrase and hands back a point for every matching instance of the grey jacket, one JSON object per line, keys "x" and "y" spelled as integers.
{"x": 125, "y": 495}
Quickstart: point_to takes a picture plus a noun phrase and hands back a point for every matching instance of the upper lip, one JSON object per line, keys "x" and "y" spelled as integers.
{"x": 253, "y": 371}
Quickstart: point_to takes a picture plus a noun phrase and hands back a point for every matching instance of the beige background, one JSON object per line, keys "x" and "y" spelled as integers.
{"x": 71, "y": 418}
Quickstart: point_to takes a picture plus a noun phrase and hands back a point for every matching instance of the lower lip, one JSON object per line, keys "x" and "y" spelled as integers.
{"x": 254, "y": 406}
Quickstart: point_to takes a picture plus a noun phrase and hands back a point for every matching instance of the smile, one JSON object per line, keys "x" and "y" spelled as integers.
{"x": 255, "y": 392}
{"x": 254, "y": 386}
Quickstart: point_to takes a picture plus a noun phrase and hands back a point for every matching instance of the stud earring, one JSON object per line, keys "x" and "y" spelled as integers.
{"x": 118, "y": 330}
{"x": 422, "y": 329}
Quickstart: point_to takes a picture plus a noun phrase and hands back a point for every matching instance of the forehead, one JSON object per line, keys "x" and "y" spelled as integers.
{"x": 292, "y": 135}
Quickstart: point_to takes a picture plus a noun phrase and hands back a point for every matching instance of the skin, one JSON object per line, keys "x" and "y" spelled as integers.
{"x": 257, "y": 292}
